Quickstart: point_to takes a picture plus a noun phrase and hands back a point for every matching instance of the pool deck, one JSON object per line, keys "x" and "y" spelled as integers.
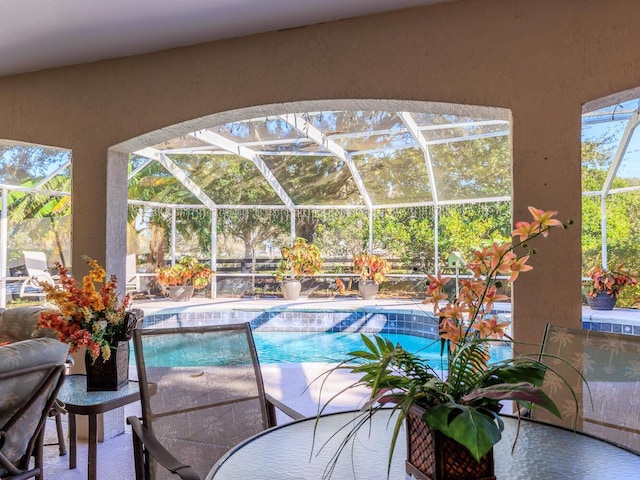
{"x": 196, "y": 304}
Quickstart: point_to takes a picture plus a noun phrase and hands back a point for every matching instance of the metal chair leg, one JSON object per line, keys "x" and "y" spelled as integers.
{"x": 62, "y": 447}
{"x": 56, "y": 411}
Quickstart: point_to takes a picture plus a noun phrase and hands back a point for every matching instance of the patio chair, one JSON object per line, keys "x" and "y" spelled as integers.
{"x": 608, "y": 405}
{"x": 132, "y": 281}
{"x": 202, "y": 393}
{"x": 37, "y": 269}
{"x": 31, "y": 374}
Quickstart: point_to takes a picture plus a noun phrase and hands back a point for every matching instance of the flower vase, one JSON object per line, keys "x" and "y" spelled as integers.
{"x": 368, "y": 289}
{"x": 111, "y": 374}
{"x": 434, "y": 456}
{"x": 181, "y": 293}
{"x": 602, "y": 301}
{"x": 291, "y": 289}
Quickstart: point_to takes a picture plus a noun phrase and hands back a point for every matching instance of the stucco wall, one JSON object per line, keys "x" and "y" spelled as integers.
{"x": 541, "y": 59}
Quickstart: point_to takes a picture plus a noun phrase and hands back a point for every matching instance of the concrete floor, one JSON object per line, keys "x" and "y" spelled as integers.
{"x": 115, "y": 456}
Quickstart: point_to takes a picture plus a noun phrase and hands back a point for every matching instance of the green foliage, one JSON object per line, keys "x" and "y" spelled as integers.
{"x": 341, "y": 233}
{"x": 188, "y": 271}
{"x": 623, "y": 210}
{"x": 470, "y": 227}
{"x": 463, "y": 170}
{"x": 464, "y": 405}
{"x": 408, "y": 234}
{"x": 629, "y": 297}
{"x": 299, "y": 260}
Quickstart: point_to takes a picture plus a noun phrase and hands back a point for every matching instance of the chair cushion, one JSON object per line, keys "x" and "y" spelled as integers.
{"x": 20, "y": 324}
{"x": 27, "y": 353}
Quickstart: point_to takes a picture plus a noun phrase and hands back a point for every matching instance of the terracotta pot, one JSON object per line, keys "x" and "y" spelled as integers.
{"x": 602, "y": 301}
{"x": 368, "y": 289}
{"x": 433, "y": 456}
{"x": 291, "y": 289}
{"x": 181, "y": 293}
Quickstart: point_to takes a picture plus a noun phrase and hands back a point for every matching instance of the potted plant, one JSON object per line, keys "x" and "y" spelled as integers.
{"x": 299, "y": 260}
{"x": 372, "y": 269}
{"x": 92, "y": 316}
{"x": 605, "y": 285}
{"x": 185, "y": 276}
{"x": 453, "y": 416}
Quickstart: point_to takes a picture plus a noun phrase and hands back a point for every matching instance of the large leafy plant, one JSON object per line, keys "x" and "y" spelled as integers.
{"x": 463, "y": 403}
{"x": 610, "y": 281}
{"x": 299, "y": 260}
{"x": 371, "y": 267}
{"x": 186, "y": 272}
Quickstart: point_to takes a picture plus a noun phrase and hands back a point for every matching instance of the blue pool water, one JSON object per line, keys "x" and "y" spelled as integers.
{"x": 300, "y": 347}
{"x": 297, "y": 347}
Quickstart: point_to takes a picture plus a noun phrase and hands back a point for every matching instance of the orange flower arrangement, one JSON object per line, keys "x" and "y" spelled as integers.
{"x": 469, "y": 315}
{"x": 90, "y": 316}
{"x": 462, "y": 402}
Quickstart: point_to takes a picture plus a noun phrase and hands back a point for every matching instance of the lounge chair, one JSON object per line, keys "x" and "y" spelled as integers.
{"x": 37, "y": 269}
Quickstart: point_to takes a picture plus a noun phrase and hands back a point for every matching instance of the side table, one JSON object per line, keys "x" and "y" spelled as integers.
{"x": 78, "y": 401}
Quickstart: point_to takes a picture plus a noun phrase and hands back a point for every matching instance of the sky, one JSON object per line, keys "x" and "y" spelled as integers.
{"x": 614, "y": 122}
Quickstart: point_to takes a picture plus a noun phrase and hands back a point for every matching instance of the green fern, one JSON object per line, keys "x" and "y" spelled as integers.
{"x": 467, "y": 367}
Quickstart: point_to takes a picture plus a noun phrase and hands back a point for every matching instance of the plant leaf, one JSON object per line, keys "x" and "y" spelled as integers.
{"x": 477, "y": 430}
{"x": 515, "y": 391}
{"x": 529, "y": 372}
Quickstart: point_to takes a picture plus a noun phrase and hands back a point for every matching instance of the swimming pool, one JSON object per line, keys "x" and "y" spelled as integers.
{"x": 306, "y": 347}
{"x": 333, "y": 347}
{"x": 320, "y": 333}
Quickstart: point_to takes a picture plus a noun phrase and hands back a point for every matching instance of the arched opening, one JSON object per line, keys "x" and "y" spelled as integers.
{"x": 412, "y": 180}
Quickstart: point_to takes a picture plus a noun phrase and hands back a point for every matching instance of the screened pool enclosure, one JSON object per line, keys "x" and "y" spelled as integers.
{"x": 413, "y": 186}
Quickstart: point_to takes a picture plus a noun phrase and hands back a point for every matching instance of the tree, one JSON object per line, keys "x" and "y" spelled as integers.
{"x": 55, "y": 210}
{"x": 623, "y": 231}
{"x": 25, "y": 163}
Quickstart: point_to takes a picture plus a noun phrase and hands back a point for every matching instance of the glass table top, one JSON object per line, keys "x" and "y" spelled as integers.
{"x": 74, "y": 392}
{"x": 541, "y": 452}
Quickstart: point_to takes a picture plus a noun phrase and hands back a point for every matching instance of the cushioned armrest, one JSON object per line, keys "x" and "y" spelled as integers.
{"x": 157, "y": 451}
{"x": 288, "y": 411}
